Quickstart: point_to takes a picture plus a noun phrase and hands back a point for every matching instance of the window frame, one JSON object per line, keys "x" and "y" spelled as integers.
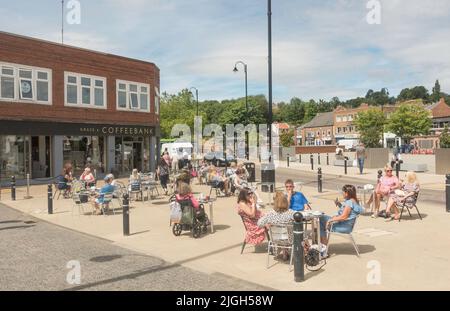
{"x": 128, "y": 96}
{"x": 92, "y": 88}
{"x": 34, "y": 79}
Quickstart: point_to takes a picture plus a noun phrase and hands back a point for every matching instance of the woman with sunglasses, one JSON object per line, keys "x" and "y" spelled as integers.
{"x": 250, "y": 215}
{"x": 386, "y": 186}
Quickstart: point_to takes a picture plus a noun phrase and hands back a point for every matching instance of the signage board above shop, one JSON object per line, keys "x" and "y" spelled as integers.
{"x": 35, "y": 128}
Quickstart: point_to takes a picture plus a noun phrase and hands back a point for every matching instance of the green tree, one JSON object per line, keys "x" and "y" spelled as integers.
{"x": 444, "y": 139}
{"x": 370, "y": 125}
{"x": 417, "y": 92}
{"x": 436, "y": 95}
{"x": 410, "y": 120}
{"x": 287, "y": 138}
{"x": 310, "y": 111}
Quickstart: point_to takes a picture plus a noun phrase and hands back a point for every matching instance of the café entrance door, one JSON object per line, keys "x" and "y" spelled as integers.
{"x": 132, "y": 156}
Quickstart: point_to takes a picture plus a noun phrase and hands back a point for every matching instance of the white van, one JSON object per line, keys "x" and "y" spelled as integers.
{"x": 178, "y": 149}
{"x": 349, "y": 144}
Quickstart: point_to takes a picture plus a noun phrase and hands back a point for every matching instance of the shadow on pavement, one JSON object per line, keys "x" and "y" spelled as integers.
{"x": 347, "y": 249}
{"x": 16, "y": 227}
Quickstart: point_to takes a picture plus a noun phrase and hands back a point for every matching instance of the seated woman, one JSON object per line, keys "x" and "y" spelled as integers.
{"x": 218, "y": 180}
{"x": 185, "y": 193}
{"x": 87, "y": 178}
{"x": 281, "y": 213}
{"x": 250, "y": 215}
{"x": 406, "y": 196}
{"x": 345, "y": 219}
{"x": 65, "y": 179}
{"x": 386, "y": 186}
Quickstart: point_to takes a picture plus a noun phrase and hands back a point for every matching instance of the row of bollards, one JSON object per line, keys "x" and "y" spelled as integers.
{"x": 13, "y": 188}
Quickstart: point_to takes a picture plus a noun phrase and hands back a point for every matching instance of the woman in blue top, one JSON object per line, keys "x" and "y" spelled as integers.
{"x": 345, "y": 219}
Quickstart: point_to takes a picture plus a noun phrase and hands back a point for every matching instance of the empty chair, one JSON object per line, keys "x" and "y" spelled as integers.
{"x": 281, "y": 237}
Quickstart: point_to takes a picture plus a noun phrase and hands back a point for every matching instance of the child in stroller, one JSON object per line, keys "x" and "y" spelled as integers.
{"x": 193, "y": 217}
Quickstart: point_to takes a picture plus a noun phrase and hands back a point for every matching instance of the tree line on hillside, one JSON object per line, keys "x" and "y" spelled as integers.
{"x": 181, "y": 108}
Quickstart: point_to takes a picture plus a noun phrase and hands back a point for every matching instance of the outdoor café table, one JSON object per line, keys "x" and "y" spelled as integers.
{"x": 210, "y": 204}
{"x": 150, "y": 186}
{"x": 313, "y": 217}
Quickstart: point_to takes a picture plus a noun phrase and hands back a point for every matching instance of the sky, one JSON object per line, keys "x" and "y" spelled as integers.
{"x": 321, "y": 49}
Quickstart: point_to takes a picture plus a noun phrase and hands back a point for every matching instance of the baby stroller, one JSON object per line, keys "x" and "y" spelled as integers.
{"x": 185, "y": 217}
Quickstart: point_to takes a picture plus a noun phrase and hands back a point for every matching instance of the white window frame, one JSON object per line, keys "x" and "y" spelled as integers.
{"x": 157, "y": 102}
{"x": 79, "y": 103}
{"x": 128, "y": 96}
{"x": 338, "y": 119}
{"x": 34, "y": 78}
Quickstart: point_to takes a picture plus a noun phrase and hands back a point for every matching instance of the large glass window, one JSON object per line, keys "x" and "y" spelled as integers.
{"x": 85, "y": 91}
{"x": 133, "y": 96}
{"x": 13, "y": 156}
{"x": 84, "y": 151}
{"x": 25, "y": 84}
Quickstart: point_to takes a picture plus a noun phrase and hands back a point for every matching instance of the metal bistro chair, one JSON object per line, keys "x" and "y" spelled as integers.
{"x": 281, "y": 237}
{"x": 348, "y": 236}
{"x": 119, "y": 190}
{"x": 410, "y": 205}
{"x": 135, "y": 190}
{"x": 79, "y": 199}
{"x": 107, "y": 203}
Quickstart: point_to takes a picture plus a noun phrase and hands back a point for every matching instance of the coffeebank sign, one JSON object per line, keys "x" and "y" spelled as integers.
{"x": 72, "y": 129}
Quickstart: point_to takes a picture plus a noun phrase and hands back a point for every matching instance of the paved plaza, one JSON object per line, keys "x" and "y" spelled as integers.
{"x": 410, "y": 255}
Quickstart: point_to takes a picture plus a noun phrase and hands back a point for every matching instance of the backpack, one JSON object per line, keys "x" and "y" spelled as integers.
{"x": 175, "y": 211}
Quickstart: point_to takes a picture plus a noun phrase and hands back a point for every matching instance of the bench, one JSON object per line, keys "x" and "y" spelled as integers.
{"x": 342, "y": 163}
{"x": 415, "y": 167}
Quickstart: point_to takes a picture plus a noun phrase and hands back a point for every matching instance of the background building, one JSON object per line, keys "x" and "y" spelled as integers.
{"x": 319, "y": 131}
{"x": 62, "y": 104}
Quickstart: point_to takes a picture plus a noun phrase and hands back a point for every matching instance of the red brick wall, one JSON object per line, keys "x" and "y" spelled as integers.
{"x": 315, "y": 149}
{"x": 59, "y": 58}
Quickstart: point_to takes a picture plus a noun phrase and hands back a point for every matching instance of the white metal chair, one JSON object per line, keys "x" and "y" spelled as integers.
{"x": 107, "y": 203}
{"x": 348, "y": 236}
{"x": 281, "y": 237}
{"x": 79, "y": 198}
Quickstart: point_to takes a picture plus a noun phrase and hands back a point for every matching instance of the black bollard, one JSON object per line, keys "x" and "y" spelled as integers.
{"x": 318, "y": 158}
{"x": 328, "y": 159}
{"x": 447, "y": 192}
{"x": 299, "y": 265}
{"x": 345, "y": 165}
{"x": 380, "y": 173}
{"x": 50, "y": 199}
{"x": 300, "y": 158}
{"x": 397, "y": 168}
{"x": 312, "y": 162}
{"x": 126, "y": 215}
{"x": 287, "y": 159}
{"x": 319, "y": 180}
{"x": 13, "y": 188}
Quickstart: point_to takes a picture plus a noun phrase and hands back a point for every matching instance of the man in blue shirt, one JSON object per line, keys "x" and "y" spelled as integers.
{"x": 297, "y": 201}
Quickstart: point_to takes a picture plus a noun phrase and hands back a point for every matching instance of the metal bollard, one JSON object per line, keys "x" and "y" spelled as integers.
{"x": 328, "y": 159}
{"x": 380, "y": 173}
{"x": 447, "y": 192}
{"x": 299, "y": 265}
{"x": 28, "y": 188}
{"x": 126, "y": 215}
{"x": 318, "y": 158}
{"x": 287, "y": 159}
{"x": 397, "y": 167}
{"x": 345, "y": 165}
{"x": 300, "y": 158}
{"x": 319, "y": 180}
{"x": 13, "y": 188}
{"x": 50, "y": 199}
{"x": 312, "y": 162}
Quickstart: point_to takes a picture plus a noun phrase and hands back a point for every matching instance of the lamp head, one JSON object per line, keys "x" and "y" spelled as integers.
{"x": 235, "y": 69}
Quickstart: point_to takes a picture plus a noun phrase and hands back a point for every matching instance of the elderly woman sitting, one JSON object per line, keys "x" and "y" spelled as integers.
{"x": 406, "y": 195}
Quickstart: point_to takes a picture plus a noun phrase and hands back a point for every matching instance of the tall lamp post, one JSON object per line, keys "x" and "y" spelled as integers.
{"x": 246, "y": 103}
{"x": 196, "y": 99}
{"x": 269, "y": 17}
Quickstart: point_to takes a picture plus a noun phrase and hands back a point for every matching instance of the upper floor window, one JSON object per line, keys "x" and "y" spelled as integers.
{"x": 156, "y": 100}
{"x": 133, "y": 96}
{"x": 84, "y": 91}
{"x": 344, "y": 119}
{"x": 350, "y": 117}
{"x": 25, "y": 84}
{"x": 338, "y": 119}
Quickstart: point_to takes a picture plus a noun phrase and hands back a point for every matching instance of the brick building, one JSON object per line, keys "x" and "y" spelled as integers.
{"x": 317, "y": 132}
{"x": 63, "y": 104}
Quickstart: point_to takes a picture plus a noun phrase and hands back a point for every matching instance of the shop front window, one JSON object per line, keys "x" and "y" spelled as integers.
{"x": 84, "y": 151}
{"x": 13, "y": 156}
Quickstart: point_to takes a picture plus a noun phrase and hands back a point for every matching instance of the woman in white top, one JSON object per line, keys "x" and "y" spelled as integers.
{"x": 87, "y": 177}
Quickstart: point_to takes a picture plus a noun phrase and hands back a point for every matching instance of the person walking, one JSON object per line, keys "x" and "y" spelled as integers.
{"x": 361, "y": 156}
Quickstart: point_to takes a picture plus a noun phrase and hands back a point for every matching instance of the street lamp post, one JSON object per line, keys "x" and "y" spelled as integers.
{"x": 269, "y": 17}
{"x": 197, "y": 138}
{"x": 246, "y": 104}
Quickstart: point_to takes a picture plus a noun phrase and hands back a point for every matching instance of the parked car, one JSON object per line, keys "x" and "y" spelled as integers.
{"x": 218, "y": 159}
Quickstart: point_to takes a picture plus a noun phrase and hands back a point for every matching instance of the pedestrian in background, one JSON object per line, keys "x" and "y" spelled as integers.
{"x": 361, "y": 156}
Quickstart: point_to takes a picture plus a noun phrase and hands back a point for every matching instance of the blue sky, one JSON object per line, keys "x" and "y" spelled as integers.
{"x": 321, "y": 48}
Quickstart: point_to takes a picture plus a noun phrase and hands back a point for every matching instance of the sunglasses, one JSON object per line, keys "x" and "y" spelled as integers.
{"x": 388, "y": 170}
{"x": 289, "y": 186}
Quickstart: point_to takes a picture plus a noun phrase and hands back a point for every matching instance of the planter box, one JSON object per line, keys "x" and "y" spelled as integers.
{"x": 376, "y": 158}
{"x": 443, "y": 161}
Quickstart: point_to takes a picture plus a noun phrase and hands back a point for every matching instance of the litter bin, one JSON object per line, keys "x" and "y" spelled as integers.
{"x": 251, "y": 169}
{"x": 268, "y": 176}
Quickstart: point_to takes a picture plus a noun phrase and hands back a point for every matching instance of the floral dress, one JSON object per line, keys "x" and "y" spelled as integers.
{"x": 407, "y": 188}
{"x": 254, "y": 235}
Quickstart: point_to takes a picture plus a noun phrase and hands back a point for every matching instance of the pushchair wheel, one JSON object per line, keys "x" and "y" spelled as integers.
{"x": 196, "y": 231}
{"x": 176, "y": 229}
{"x": 205, "y": 228}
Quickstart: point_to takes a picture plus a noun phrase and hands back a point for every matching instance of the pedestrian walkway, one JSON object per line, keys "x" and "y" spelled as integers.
{"x": 410, "y": 244}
